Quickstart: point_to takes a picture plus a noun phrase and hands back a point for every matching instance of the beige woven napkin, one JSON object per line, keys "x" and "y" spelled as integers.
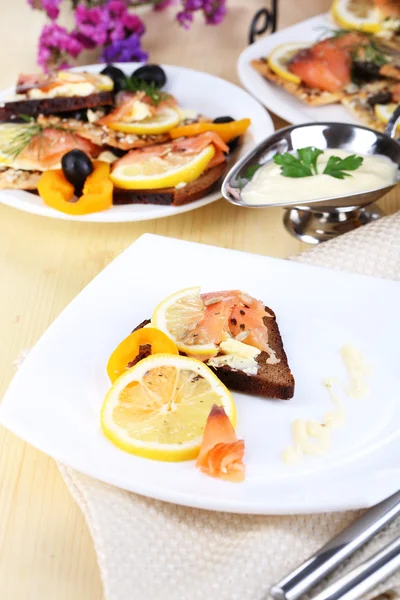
{"x": 150, "y": 550}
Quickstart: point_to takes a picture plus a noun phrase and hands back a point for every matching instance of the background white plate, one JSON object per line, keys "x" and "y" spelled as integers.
{"x": 276, "y": 99}
{"x": 209, "y": 95}
{"x": 54, "y": 400}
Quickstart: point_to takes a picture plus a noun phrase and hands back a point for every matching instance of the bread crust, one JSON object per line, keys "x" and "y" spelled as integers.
{"x": 46, "y": 106}
{"x": 173, "y": 196}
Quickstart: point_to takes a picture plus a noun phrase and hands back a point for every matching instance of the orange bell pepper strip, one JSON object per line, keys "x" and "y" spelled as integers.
{"x": 138, "y": 345}
{"x": 227, "y": 131}
{"x": 97, "y": 193}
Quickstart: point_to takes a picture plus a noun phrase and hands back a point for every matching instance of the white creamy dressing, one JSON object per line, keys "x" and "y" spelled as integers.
{"x": 314, "y": 438}
{"x": 269, "y": 186}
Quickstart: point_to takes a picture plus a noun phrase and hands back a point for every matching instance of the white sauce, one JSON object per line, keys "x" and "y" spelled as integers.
{"x": 269, "y": 186}
{"x": 313, "y": 438}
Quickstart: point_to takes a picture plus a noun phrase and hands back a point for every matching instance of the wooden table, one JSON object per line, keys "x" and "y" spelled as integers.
{"x": 46, "y": 552}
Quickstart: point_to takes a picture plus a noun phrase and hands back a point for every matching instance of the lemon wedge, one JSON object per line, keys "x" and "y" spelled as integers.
{"x": 357, "y": 14}
{"x": 280, "y": 56}
{"x": 163, "y": 121}
{"x": 159, "y": 408}
{"x": 155, "y": 172}
{"x": 384, "y": 111}
{"x": 178, "y": 316}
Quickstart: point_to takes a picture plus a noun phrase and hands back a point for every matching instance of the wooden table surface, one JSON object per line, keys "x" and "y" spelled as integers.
{"x": 46, "y": 552}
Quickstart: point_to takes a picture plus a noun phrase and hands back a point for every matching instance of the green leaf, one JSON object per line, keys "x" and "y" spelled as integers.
{"x": 301, "y": 165}
{"x": 309, "y": 156}
{"x": 249, "y": 172}
{"x": 336, "y": 166}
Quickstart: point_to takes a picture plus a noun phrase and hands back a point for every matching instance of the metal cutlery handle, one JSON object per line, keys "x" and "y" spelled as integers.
{"x": 336, "y": 550}
{"x": 366, "y": 576}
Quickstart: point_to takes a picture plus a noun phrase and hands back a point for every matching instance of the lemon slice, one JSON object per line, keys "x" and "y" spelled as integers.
{"x": 280, "y": 56}
{"x": 384, "y": 111}
{"x": 159, "y": 408}
{"x": 155, "y": 172}
{"x": 163, "y": 121}
{"x": 357, "y": 14}
{"x": 178, "y": 316}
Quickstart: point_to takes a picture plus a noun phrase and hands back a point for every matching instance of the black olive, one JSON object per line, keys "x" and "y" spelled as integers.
{"x": 381, "y": 98}
{"x": 365, "y": 71}
{"x": 223, "y": 120}
{"x": 151, "y": 74}
{"x": 233, "y": 144}
{"x": 76, "y": 166}
{"x": 118, "y": 77}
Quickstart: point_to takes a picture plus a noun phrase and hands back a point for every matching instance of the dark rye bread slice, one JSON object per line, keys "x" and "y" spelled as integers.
{"x": 271, "y": 381}
{"x": 10, "y": 111}
{"x": 172, "y": 196}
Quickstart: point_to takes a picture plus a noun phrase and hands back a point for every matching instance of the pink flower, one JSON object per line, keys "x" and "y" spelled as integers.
{"x": 51, "y": 7}
{"x": 55, "y": 44}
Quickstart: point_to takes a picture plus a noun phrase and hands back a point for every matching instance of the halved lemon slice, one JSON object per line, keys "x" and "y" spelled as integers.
{"x": 162, "y": 122}
{"x": 280, "y": 56}
{"x": 357, "y": 14}
{"x": 178, "y": 315}
{"x": 384, "y": 111}
{"x": 159, "y": 408}
{"x": 155, "y": 172}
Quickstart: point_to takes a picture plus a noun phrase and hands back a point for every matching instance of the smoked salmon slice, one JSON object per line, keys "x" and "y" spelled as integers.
{"x": 185, "y": 146}
{"x": 221, "y": 453}
{"x": 327, "y": 64}
{"x": 47, "y": 148}
{"x": 234, "y": 313}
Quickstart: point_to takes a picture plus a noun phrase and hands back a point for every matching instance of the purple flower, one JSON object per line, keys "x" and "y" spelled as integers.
{"x": 124, "y": 50}
{"x": 92, "y": 23}
{"x": 104, "y": 25}
{"x": 55, "y": 44}
{"x": 213, "y": 11}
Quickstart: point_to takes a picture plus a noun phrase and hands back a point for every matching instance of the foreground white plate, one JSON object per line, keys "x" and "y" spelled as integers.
{"x": 276, "y": 99}
{"x": 209, "y": 95}
{"x": 55, "y": 399}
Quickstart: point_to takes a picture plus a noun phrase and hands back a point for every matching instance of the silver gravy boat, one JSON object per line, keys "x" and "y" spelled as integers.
{"x": 320, "y": 220}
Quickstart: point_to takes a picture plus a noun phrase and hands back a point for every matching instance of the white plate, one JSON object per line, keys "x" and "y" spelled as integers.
{"x": 276, "y": 99}
{"x": 209, "y": 95}
{"x": 54, "y": 400}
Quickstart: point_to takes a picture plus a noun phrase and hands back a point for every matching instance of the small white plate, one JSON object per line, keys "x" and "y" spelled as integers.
{"x": 276, "y": 99}
{"x": 54, "y": 400}
{"x": 209, "y": 95}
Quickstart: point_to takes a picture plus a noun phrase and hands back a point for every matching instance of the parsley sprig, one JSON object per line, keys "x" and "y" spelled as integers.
{"x": 304, "y": 163}
{"x": 337, "y": 167}
{"x": 134, "y": 84}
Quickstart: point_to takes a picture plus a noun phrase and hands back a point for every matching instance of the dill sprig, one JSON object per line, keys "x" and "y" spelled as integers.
{"x": 373, "y": 51}
{"x": 14, "y": 137}
{"x": 134, "y": 84}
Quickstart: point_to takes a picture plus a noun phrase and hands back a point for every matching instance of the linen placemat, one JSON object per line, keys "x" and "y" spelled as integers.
{"x": 151, "y": 550}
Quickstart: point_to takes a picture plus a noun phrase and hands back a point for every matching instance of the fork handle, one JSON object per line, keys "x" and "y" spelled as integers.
{"x": 336, "y": 550}
{"x": 366, "y": 576}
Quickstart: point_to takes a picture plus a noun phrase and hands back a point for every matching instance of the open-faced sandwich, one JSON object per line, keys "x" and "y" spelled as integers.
{"x": 170, "y": 399}
{"x": 63, "y": 134}
{"x": 356, "y": 66}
